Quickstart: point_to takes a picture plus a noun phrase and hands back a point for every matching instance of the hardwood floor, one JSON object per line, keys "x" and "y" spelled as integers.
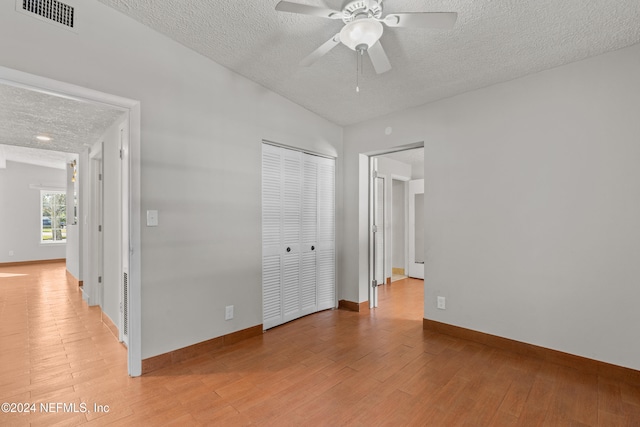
{"x": 332, "y": 368}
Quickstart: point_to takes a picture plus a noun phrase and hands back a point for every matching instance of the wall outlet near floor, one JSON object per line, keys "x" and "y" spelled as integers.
{"x": 228, "y": 312}
{"x": 442, "y": 303}
{"x": 10, "y": 253}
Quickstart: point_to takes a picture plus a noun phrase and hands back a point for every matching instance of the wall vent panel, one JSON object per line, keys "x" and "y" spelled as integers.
{"x": 125, "y": 288}
{"x": 52, "y": 11}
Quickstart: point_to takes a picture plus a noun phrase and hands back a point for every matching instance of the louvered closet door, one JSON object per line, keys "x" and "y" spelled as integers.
{"x": 326, "y": 254}
{"x": 308, "y": 277}
{"x": 272, "y": 314}
{"x": 298, "y": 228}
{"x": 292, "y": 222}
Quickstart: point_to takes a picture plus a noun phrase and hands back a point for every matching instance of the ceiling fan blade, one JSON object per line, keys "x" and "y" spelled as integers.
{"x": 321, "y": 51}
{"x": 287, "y": 6}
{"x": 436, "y": 20}
{"x": 379, "y": 58}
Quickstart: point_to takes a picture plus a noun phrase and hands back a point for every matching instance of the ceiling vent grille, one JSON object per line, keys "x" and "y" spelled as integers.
{"x": 52, "y": 10}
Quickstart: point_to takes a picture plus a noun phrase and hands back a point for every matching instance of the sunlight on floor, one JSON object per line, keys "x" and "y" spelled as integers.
{"x": 10, "y": 275}
{"x": 396, "y": 277}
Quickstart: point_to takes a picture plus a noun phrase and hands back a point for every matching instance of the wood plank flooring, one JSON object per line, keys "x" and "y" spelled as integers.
{"x": 336, "y": 367}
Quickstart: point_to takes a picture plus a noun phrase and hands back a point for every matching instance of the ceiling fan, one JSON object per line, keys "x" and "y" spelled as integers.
{"x": 363, "y": 27}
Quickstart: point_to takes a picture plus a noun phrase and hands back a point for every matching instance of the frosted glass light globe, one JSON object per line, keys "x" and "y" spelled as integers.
{"x": 366, "y": 31}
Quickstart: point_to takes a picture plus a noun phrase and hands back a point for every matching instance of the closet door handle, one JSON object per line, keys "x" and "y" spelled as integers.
{"x": 313, "y": 248}
{"x": 288, "y": 249}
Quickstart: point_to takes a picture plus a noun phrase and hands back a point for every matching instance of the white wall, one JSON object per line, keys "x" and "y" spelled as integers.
{"x": 72, "y": 253}
{"x": 74, "y": 240}
{"x": 398, "y": 224}
{"x": 202, "y": 128}
{"x": 20, "y": 216}
{"x": 532, "y": 206}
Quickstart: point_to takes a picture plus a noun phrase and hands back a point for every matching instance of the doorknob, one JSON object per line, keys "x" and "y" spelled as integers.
{"x": 288, "y": 249}
{"x": 313, "y": 248}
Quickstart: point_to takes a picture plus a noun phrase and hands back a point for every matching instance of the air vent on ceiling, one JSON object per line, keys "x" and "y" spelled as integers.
{"x": 50, "y": 10}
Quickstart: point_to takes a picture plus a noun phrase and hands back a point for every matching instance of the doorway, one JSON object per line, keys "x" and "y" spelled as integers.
{"x": 390, "y": 174}
{"x": 130, "y": 207}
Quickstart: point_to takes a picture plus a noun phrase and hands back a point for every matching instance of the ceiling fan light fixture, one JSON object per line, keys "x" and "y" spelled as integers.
{"x": 366, "y": 31}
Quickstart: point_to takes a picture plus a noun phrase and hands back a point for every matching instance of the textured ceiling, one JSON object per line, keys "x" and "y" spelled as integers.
{"x": 70, "y": 124}
{"x": 493, "y": 41}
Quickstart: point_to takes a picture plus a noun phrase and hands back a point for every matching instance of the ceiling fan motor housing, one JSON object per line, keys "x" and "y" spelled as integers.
{"x": 360, "y": 9}
{"x": 363, "y": 27}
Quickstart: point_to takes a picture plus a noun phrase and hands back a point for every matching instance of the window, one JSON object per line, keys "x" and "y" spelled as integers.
{"x": 54, "y": 216}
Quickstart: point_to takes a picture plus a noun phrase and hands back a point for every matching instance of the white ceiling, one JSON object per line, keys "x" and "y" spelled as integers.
{"x": 71, "y": 125}
{"x": 35, "y": 156}
{"x": 493, "y": 41}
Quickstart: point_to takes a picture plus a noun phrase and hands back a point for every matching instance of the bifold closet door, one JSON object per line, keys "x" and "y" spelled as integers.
{"x": 308, "y": 276}
{"x": 281, "y": 240}
{"x": 298, "y": 223}
{"x": 272, "y": 230}
{"x": 292, "y": 222}
{"x": 326, "y": 255}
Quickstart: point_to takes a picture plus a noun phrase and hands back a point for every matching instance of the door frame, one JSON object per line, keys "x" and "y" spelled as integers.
{"x": 365, "y": 216}
{"x": 373, "y": 232}
{"x": 380, "y": 198}
{"x": 131, "y": 166}
{"x": 125, "y": 174}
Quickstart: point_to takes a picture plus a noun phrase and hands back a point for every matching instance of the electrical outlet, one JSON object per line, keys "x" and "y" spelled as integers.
{"x": 10, "y": 253}
{"x": 442, "y": 303}
{"x": 152, "y": 218}
{"x": 228, "y": 312}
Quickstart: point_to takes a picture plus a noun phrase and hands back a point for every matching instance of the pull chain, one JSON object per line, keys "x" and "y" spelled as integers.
{"x": 357, "y": 72}
{"x": 359, "y": 54}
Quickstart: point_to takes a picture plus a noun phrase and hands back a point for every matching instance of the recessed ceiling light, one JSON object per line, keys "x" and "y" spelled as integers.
{"x": 43, "y": 138}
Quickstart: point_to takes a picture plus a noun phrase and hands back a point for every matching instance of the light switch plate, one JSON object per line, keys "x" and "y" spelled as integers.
{"x": 152, "y": 218}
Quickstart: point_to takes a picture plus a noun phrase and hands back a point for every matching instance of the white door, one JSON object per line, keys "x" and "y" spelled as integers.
{"x": 292, "y": 221}
{"x": 271, "y": 236}
{"x": 96, "y": 275}
{"x": 326, "y": 248}
{"x": 416, "y": 228}
{"x": 308, "y": 277}
{"x": 124, "y": 242}
{"x": 282, "y": 230}
{"x": 298, "y": 227}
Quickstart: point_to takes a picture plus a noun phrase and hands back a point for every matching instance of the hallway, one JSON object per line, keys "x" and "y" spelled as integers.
{"x": 331, "y": 368}
{"x": 54, "y": 347}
